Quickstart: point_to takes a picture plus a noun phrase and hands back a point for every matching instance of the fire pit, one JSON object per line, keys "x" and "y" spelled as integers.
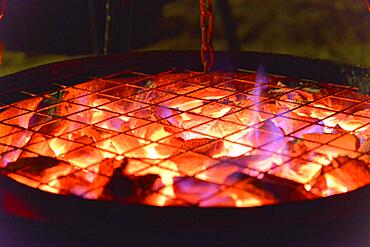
{"x": 235, "y": 139}
{"x": 136, "y": 131}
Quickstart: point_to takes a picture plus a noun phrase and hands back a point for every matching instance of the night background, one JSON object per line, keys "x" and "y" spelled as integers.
{"x": 35, "y": 32}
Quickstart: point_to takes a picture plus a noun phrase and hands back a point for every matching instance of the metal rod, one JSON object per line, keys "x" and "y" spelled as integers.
{"x": 108, "y": 19}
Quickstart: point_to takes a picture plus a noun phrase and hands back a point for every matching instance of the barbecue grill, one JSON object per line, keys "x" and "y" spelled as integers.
{"x": 148, "y": 129}
{"x": 144, "y": 148}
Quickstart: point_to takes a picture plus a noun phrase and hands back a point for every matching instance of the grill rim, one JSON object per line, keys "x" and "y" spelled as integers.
{"x": 45, "y": 207}
{"x": 100, "y": 66}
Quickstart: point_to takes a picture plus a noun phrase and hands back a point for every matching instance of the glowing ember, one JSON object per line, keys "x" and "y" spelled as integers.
{"x": 221, "y": 139}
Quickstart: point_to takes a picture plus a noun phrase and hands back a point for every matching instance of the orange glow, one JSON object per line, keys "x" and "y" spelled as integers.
{"x": 193, "y": 143}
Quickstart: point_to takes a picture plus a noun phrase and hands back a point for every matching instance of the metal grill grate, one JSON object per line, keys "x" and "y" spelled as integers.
{"x": 93, "y": 130}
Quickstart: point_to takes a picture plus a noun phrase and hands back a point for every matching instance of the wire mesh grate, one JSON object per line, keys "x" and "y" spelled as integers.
{"x": 181, "y": 137}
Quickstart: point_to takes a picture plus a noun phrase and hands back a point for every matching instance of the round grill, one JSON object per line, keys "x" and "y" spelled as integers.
{"x": 175, "y": 136}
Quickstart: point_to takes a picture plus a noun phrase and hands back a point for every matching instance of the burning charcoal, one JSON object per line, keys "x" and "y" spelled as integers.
{"x": 218, "y": 173}
{"x": 176, "y": 141}
{"x": 17, "y": 139}
{"x": 80, "y": 182}
{"x": 270, "y": 126}
{"x": 43, "y": 148}
{"x": 232, "y": 197}
{"x": 346, "y": 122}
{"x": 84, "y": 157}
{"x": 210, "y": 93}
{"x": 129, "y": 188}
{"x": 108, "y": 166}
{"x": 211, "y": 149}
{"x": 235, "y": 178}
{"x": 37, "y": 138}
{"x": 365, "y": 158}
{"x": 29, "y": 104}
{"x": 8, "y": 113}
{"x": 365, "y": 112}
{"x": 204, "y": 144}
{"x": 274, "y": 108}
{"x": 167, "y": 127}
{"x": 5, "y": 133}
{"x": 153, "y": 132}
{"x": 214, "y": 110}
{"x": 295, "y": 115}
{"x": 365, "y": 146}
{"x": 320, "y": 137}
{"x": 193, "y": 190}
{"x": 124, "y": 143}
{"x": 267, "y": 132}
{"x": 289, "y": 125}
{"x": 40, "y": 168}
{"x": 56, "y": 128}
{"x": 347, "y": 141}
{"x": 190, "y": 163}
{"x": 38, "y": 119}
{"x": 349, "y": 175}
{"x": 84, "y": 140}
{"x": 300, "y": 171}
{"x": 223, "y": 128}
{"x": 119, "y": 187}
{"x": 258, "y": 162}
{"x": 34, "y": 165}
{"x": 278, "y": 91}
{"x": 194, "y": 143}
{"x": 298, "y": 96}
{"x": 297, "y": 147}
{"x": 337, "y": 103}
{"x": 275, "y": 188}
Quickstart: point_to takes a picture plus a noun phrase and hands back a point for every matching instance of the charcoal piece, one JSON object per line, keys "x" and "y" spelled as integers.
{"x": 236, "y": 177}
{"x": 204, "y": 146}
{"x": 53, "y": 128}
{"x": 339, "y": 162}
{"x": 41, "y": 168}
{"x": 297, "y": 147}
{"x": 277, "y": 188}
{"x": 248, "y": 161}
{"x": 266, "y": 132}
{"x": 269, "y": 126}
{"x": 274, "y": 108}
{"x": 365, "y": 146}
{"x": 120, "y": 186}
{"x": 108, "y": 166}
{"x": 347, "y": 141}
{"x": 84, "y": 139}
{"x": 320, "y": 137}
{"x": 32, "y": 165}
{"x": 347, "y": 174}
{"x": 81, "y": 182}
{"x": 129, "y": 189}
{"x": 194, "y": 143}
{"x": 193, "y": 190}
{"x": 210, "y": 149}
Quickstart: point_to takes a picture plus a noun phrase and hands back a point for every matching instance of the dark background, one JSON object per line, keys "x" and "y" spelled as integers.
{"x": 41, "y": 31}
